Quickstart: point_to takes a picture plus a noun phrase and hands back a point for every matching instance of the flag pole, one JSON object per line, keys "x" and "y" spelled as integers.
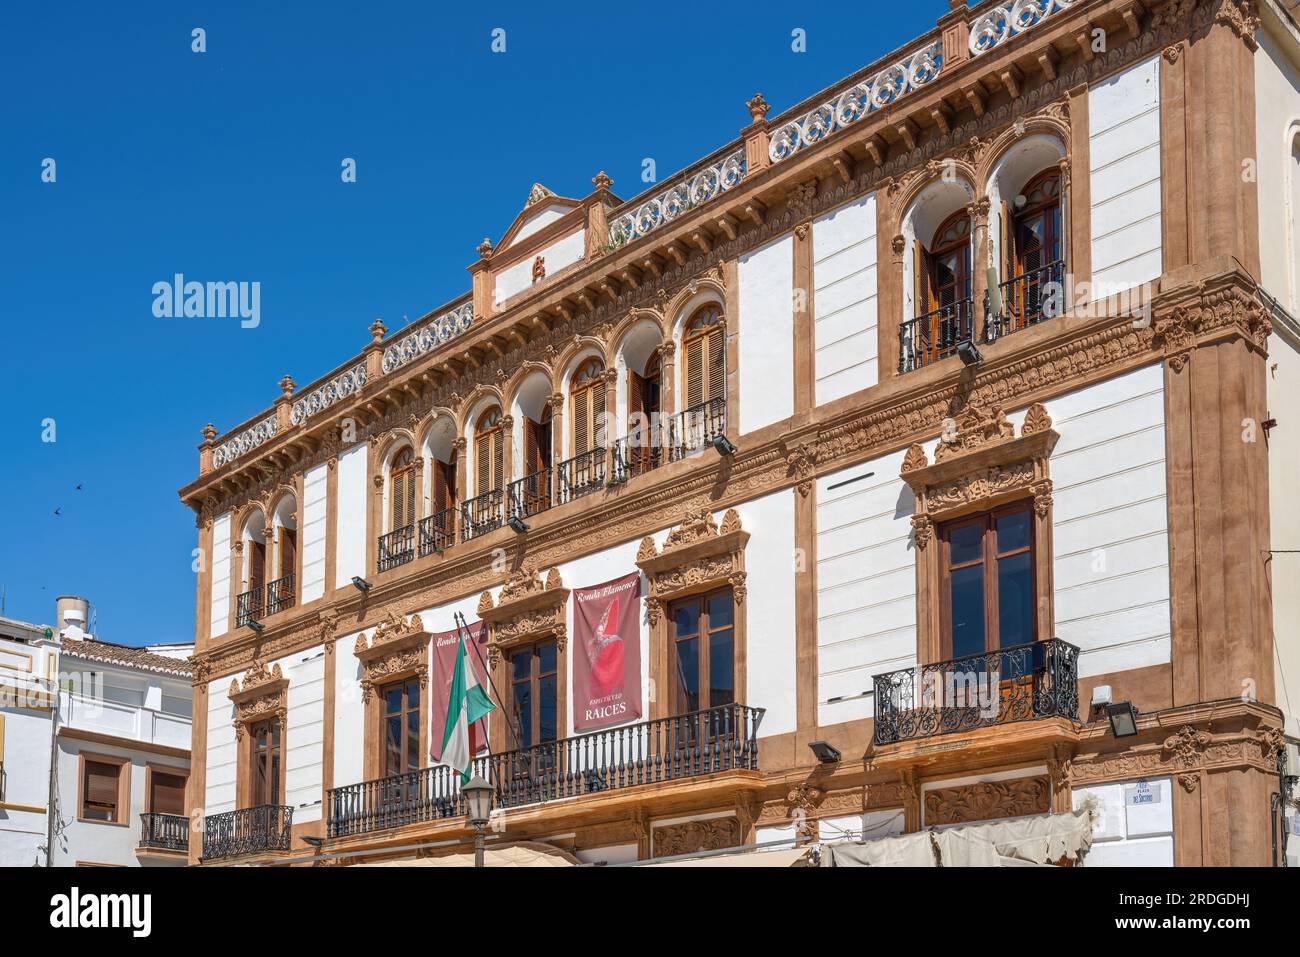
{"x": 463, "y": 629}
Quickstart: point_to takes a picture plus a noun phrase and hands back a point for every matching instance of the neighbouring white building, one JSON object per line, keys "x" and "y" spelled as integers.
{"x": 29, "y": 661}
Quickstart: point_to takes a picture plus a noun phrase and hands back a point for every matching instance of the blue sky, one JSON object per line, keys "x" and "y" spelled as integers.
{"x": 225, "y": 166}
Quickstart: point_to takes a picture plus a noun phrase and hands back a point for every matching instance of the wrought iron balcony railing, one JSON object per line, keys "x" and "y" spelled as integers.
{"x": 1020, "y": 683}
{"x": 696, "y": 428}
{"x": 480, "y": 515}
{"x": 530, "y": 494}
{"x": 438, "y": 531}
{"x": 581, "y": 475}
{"x": 397, "y": 547}
{"x": 169, "y": 832}
{"x": 666, "y": 749}
{"x": 635, "y": 456}
{"x": 280, "y": 595}
{"x": 927, "y": 339}
{"x": 1027, "y": 300}
{"x": 250, "y": 830}
{"x": 249, "y": 606}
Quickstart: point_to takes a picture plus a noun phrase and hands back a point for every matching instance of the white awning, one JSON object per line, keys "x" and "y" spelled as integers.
{"x": 1019, "y": 842}
{"x": 523, "y": 854}
{"x": 786, "y": 857}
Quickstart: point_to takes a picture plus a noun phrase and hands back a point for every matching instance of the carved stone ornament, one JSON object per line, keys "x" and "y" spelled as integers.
{"x": 691, "y": 837}
{"x": 981, "y": 464}
{"x": 1186, "y": 748}
{"x": 697, "y": 555}
{"x": 529, "y": 608}
{"x": 988, "y": 800}
{"x": 397, "y": 648}
{"x": 263, "y": 694}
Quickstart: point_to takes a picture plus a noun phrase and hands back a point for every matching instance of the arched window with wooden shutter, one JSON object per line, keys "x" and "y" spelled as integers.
{"x": 401, "y": 490}
{"x": 1031, "y": 249}
{"x": 704, "y": 365}
{"x": 587, "y": 404}
{"x": 489, "y": 472}
{"x": 537, "y": 443}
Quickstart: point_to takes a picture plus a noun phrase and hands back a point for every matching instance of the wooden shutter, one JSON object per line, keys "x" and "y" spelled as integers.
{"x": 440, "y": 498}
{"x": 101, "y": 790}
{"x": 694, "y": 370}
{"x": 498, "y": 453}
{"x": 401, "y": 498}
{"x": 635, "y": 399}
{"x": 256, "y": 565}
{"x": 921, "y": 266}
{"x": 717, "y": 365}
{"x": 581, "y": 421}
{"x": 288, "y": 550}
{"x": 1008, "y": 233}
{"x": 532, "y": 453}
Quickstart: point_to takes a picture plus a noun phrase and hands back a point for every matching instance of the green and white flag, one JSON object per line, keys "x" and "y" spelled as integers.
{"x": 466, "y": 703}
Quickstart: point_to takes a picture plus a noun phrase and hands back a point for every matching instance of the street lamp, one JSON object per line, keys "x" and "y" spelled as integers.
{"x": 478, "y": 808}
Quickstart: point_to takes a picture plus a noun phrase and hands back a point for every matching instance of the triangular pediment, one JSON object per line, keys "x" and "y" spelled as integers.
{"x": 541, "y": 209}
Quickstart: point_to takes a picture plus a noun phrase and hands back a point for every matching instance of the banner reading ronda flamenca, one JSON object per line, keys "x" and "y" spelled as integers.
{"x": 442, "y": 662}
{"x": 607, "y": 653}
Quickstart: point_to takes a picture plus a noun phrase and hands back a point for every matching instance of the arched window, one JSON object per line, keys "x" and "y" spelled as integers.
{"x": 704, "y": 365}
{"x": 489, "y": 465}
{"x": 587, "y": 404}
{"x": 643, "y": 409}
{"x": 947, "y": 280}
{"x": 537, "y": 442}
{"x": 401, "y": 490}
{"x": 443, "y": 487}
{"x": 1031, "y": 249}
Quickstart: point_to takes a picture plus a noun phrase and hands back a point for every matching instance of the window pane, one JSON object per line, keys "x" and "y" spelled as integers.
{"x": 546, "y": 709}
{"x": 965, "y": 543}
{"x": 688, "y": 673}
{"x": 1013, "y": 531}
{"x": 1015, "y": 600}
{"x": 524, "y": 714}
{"x": 968, "y": 611}
{"x": 275, "y": 779}
{"x": 720, "y": 609}
{"x": 522, "y": 663}
{"x": 413, "y": 693}
{"x": 412, "y": 741}
{"x": 393, "y": 745}
{"x": 721, "y": 675}
{"x": 686, "y": 618}
{"x": 393, "y": 699}
{"x": 546, "y": 653}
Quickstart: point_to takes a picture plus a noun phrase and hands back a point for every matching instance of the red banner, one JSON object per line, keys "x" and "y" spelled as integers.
{"x": 607, "y": 656}
{"x": 443, "y": 661}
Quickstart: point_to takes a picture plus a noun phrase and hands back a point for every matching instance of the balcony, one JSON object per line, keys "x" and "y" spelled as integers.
{"x": 480, "y": 515}
{"x": 164, "y": 832}
{"x": 927, "y": 339}
{"x": 249, "y": 607}
{"x": 631, "y": 460}
{"x": 531, "y": 494}
{"x": 675, "y": 749}
{"x": 253, "y": 830}
{"x": 1027, "y": 300}
{"x": 994, "y": 689}
{"x": 695, "y": 428}
{"x": 280, "y": 595}
{"x": 396, "y": 548}
{"x": 438, "y": 532}
{"x": 581, "y": 475}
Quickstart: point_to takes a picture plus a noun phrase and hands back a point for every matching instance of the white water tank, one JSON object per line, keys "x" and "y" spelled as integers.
{"x": 72, "y": 610}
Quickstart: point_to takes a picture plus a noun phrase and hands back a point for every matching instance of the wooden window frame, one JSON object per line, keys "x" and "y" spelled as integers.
{"x": 263, "y": 696}
{"x": 397, "y": 650}
{"x": 704, "y": 632}
{"x": 693, "y": 333}
{"x": 408, "y": 472}
{"x": 1012, "y": 256}
{"x": 593, "y": 392}
{"x": 421, "y": 702}
{"x": 931, "y": 284}
{"x": 495, "y": 436}
{"x": 534, "y": 680}
{"x": 274, "y": 725}
{"x": 989, "y": 558}
{"x": 123, "y": 764}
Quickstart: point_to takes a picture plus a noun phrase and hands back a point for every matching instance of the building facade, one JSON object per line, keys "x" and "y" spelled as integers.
{"x": 29, "y": 665}
{"x": 837, "y": 484}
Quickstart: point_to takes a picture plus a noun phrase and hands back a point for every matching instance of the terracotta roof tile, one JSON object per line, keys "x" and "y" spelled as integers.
{"x": 108, "y": 653}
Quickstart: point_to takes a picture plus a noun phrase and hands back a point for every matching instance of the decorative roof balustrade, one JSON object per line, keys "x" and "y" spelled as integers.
{"x": 245, "y": 441}
{"x": 346, "y": 383}
{"x": 877, "y": 92}
{"x": 690, "y": 191}
{"x": 1002, "y": 23}
{"x": 428, "y": 337}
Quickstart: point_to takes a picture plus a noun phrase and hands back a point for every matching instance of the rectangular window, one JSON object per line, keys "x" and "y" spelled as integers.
{"x": 266, "y": 762}
{"x": 534, "y": 693}
{"x": 703, "y": 651}
{"x": 100, "y": 791}
{"x": 166, "y": 793}
{"x": 988, "y": 590}
{"x": 401, "y": 726}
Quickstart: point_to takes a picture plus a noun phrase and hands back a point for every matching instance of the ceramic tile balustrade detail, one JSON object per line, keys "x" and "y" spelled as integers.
{"x": 1019, "y": 683}
{"x": 168, "y": 832}
{"x": 252, "y": 830}
{"x": 265, "y": 600}
{"x": 668, "y": 440}
{"x": 1026, "y": 300}
{"x": 666, "y": 749}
